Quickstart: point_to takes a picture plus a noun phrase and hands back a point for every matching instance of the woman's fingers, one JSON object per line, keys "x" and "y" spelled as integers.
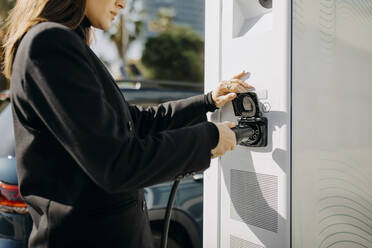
{"x": 240, "y": 75}
{"x": 226, "y": 98}
{"x": 246, "y": 85}
{"x": 231, "y": 96}
{"x": 236, "y": 86}
{"x": 240, "y": 89}
{"x": 242, "y": 83}
{"x": 222, "y": 94}
{"x": 227, "y": 139}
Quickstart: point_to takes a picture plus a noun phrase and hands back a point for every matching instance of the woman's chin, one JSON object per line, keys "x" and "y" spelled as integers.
{"x": 103, "y": 26}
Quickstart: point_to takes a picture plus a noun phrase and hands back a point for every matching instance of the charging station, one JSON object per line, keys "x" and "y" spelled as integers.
{"x": 305, "y": 181}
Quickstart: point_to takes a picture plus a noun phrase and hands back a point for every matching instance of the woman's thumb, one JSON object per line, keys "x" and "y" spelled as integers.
{"x": 231, "y": 96}
{"x": 229, "y": 124}
{"x": 228, "y": 97}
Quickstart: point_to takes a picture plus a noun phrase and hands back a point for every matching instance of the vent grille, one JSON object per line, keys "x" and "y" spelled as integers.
{"x": 254, "y": 199}
{"x": 236, "y": 242}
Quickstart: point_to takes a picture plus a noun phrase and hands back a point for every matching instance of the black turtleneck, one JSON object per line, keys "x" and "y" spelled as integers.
{"x": 82, "y": 28}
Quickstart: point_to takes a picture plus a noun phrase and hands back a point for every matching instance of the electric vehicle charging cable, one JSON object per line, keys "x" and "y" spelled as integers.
{"x": 168, "y": 213}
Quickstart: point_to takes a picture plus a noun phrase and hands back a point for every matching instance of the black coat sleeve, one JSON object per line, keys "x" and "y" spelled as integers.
{"x": 70, "y": 102}
{"x": 169, "y": 115}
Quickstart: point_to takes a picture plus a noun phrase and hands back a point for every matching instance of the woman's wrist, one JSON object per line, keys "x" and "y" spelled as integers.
{"x": 214, "y": 134}
{"x": 210, "y": 104}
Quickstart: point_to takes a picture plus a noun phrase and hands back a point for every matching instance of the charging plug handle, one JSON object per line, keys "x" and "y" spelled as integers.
{"x": 242, "y": 133}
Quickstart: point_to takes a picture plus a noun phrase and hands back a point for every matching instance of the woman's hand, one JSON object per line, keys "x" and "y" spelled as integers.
{"x": 226, "y": 90}
{"x": 227, "y": 140}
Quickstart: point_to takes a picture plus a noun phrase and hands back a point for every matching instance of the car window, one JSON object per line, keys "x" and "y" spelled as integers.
{"x": 151, "y": 96}
{"x": 6, "y": 128}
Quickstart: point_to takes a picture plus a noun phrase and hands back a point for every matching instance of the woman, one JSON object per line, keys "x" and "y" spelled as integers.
{"x": 83, "y": 153}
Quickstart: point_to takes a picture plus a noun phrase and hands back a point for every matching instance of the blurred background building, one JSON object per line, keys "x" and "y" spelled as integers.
{"x": 187, "y": 12}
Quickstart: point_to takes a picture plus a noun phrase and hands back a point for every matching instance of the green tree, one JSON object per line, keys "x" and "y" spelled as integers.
{"x": 175, "y": 54}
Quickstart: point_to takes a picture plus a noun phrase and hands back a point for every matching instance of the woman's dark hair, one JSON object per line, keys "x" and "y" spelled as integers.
{"x": 27, "y": 13}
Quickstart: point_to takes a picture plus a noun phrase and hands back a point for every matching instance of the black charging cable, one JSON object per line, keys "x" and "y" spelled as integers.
{"x": 168, "y": 213}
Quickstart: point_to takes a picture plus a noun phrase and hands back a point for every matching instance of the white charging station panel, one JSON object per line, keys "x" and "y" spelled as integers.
{"x": 311, "y": 65}
{"x": 253, "y": 183}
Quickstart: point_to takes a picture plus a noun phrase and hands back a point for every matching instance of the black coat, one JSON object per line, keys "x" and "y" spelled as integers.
{"x": 84, "y": 154}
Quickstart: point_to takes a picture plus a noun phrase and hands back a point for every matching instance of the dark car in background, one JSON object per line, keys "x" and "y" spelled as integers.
{"x": 186, "y": 222}
{"x": 15, "y": 223}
